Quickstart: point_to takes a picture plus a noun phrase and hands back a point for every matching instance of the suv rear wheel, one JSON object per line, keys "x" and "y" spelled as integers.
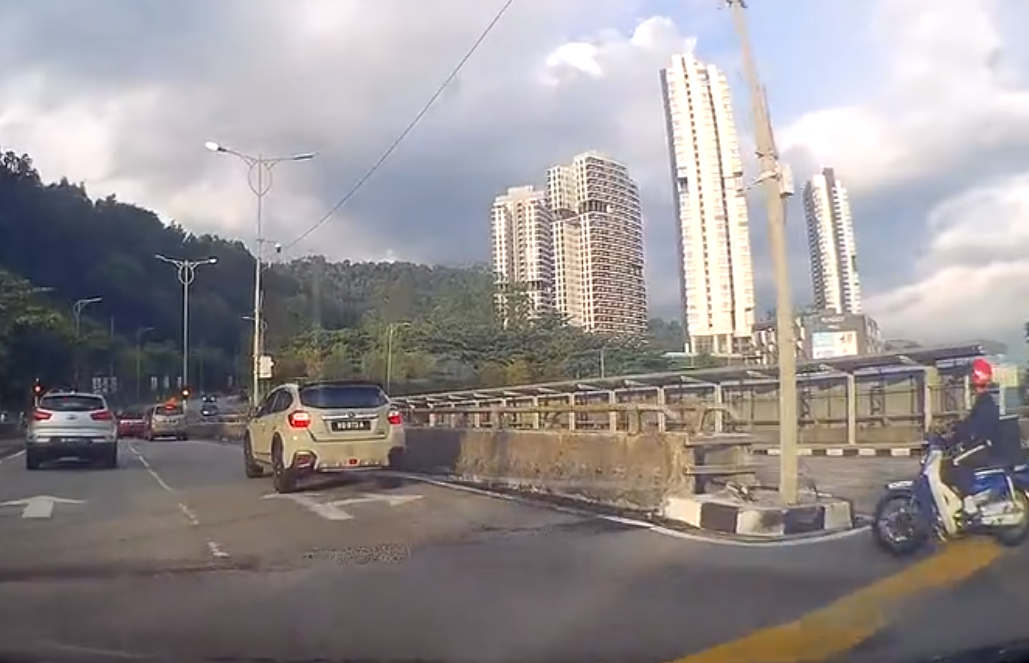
{"x": 250, "y": 467}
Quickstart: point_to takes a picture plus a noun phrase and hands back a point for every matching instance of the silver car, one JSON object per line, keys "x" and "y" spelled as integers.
{"x": 71, "y": 425}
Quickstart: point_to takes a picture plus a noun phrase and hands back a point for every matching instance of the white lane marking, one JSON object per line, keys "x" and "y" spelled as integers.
{"x": 77, "y": 649}
{"x": 213, "y": 547}
{"x": 190, "y": 516}
{"x": 16, "y": 454}
{"x": 39, "y": 506}
{"x": 333, "y": 509}
{"x": 216, "y": 550}
{"x": 632, "y": 522}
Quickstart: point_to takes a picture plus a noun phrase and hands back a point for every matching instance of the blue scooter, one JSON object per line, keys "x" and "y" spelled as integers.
{"x": 913, "y": 510}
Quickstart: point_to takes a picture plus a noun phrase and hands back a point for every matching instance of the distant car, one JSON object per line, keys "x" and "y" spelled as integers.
{"x": 322, "y": 427}
{"x": 209, "y": 410}
{"x": 168, "y": 420}
{"x": 208, "y": 398}
{"x": 131, "y": 423}
{"x": 71, "y": 425}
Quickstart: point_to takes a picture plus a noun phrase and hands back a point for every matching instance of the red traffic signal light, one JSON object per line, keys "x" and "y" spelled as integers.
{"x": 185, "y": 392}
{"x": 37, "y": 389}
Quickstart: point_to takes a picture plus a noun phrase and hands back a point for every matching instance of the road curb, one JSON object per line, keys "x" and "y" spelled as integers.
{"x": 653, "y": 521}
{"x": 715, "y": 513}
{"x": 847, "y": 451}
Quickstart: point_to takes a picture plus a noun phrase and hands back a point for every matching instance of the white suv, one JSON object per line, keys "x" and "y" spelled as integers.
{"x": 71, "y": 425}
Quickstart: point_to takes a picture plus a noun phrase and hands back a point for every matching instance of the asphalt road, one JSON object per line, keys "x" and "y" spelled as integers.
{"x": 175, "y": 556}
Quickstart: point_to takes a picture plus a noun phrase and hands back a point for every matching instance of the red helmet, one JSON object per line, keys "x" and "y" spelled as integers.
{"x": 982, "y": 373}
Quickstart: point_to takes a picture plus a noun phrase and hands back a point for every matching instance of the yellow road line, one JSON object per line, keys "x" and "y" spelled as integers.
{"x": 849, "y": 621}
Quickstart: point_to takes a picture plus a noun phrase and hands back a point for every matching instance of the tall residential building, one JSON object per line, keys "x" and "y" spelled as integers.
{"x": 830, "y": 235}
{"x": 523, "y": 247}
{"x": 598, "y": 245}
{"x": 716, "y": 274}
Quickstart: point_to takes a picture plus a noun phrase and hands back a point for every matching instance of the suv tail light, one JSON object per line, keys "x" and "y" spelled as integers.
{"x": 39, "y": 415}
{"x": 299, "y": 419}
{"x": 395, "y": 419}
{"x": 102, "y": 415}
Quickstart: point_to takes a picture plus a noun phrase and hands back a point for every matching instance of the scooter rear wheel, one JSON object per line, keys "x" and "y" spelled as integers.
{"x": 1015, "y": 535}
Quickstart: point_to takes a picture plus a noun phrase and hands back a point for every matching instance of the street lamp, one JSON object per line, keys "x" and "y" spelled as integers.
{"x": 259, "y": 178}
{"x": 140, "y": 333}
{"x": 778, "y": 186}
{"x": 76, "y": 312}
{"x": 187, "y": 272}
{"x": 78, "y": 307}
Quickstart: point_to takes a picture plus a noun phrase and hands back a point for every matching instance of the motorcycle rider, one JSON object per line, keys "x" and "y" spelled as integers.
{"x": 981, "y": 425}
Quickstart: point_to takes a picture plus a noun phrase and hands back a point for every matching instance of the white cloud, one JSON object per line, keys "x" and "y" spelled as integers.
{"x": 947, "y": 117}
{"x": 973, "y": 279}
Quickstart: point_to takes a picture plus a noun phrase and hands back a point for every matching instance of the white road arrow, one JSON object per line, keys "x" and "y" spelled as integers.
{"x": 333, "y": 509}
{"x": 40, "y": 506}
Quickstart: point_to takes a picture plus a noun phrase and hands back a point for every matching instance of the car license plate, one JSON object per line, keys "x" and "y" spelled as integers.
{"x": 351, "y": 425}
{"x": 70, "y": 440}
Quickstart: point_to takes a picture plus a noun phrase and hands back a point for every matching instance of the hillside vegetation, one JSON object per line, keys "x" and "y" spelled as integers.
{"x": 324, "y": 319}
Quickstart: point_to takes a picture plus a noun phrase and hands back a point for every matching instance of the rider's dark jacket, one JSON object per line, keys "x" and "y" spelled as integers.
{"x": 981, "y": 424}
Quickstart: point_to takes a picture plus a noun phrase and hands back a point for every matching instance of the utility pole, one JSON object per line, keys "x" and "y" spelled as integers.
{"x": 391, "y": 332}
{"x": 778, "y": 186}
{"x": 139, "y": 362}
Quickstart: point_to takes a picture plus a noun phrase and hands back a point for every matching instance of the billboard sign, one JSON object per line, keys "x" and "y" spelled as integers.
{"x": 833, "y": 344}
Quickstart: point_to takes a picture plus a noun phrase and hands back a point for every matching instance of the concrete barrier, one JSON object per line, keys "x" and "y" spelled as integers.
{"x": 223, "y": 431}
{"x": 631, "y": 469}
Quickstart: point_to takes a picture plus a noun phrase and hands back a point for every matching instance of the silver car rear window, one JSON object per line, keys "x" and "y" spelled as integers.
{"x": 340, "y": 396}
{"x": 169, "y": 410}
{"x": 71, "y": 403}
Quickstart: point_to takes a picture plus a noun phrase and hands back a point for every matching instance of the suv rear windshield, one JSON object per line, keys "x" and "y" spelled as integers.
{"x": 130, "y": 414}
{"x": 71, "y": 403}
{"x": 342, "y": 396}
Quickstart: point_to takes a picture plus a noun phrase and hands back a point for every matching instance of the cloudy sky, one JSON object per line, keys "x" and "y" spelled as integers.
{"x": 922, "y": 106}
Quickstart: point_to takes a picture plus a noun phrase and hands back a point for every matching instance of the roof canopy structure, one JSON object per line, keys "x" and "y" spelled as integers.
{"x": 909, "y": 359}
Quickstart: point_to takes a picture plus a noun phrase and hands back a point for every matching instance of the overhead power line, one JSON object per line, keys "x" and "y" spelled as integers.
{"x": 409, "y": 128}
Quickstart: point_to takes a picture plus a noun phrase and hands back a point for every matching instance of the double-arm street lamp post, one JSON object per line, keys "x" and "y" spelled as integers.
{"x": 259, "y": 177}
{"x": 187, "y": 273}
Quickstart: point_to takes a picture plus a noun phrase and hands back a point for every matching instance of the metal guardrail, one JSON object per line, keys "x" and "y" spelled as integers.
{"x": 692, "y": 418}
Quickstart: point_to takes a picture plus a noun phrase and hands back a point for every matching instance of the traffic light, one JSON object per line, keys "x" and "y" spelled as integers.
{"x": 185, "y": 392}
{"x": 37, "y": 389}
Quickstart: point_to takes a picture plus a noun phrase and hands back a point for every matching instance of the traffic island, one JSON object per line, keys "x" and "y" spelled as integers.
{"x": 760, "y": 513}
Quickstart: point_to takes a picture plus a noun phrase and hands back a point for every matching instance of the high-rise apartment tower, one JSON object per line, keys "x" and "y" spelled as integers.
{"x": 831, "y": 246}
{"x": 716, "y": 273}
{"x": 523, "y": 247}
{"x": 598, "y": 245}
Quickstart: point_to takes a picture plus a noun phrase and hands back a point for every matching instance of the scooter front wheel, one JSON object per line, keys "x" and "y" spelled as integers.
{"x": 898, "y": 525}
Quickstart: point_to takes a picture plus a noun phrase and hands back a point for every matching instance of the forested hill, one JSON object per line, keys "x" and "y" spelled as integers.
{"x": 59, "y": 246}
